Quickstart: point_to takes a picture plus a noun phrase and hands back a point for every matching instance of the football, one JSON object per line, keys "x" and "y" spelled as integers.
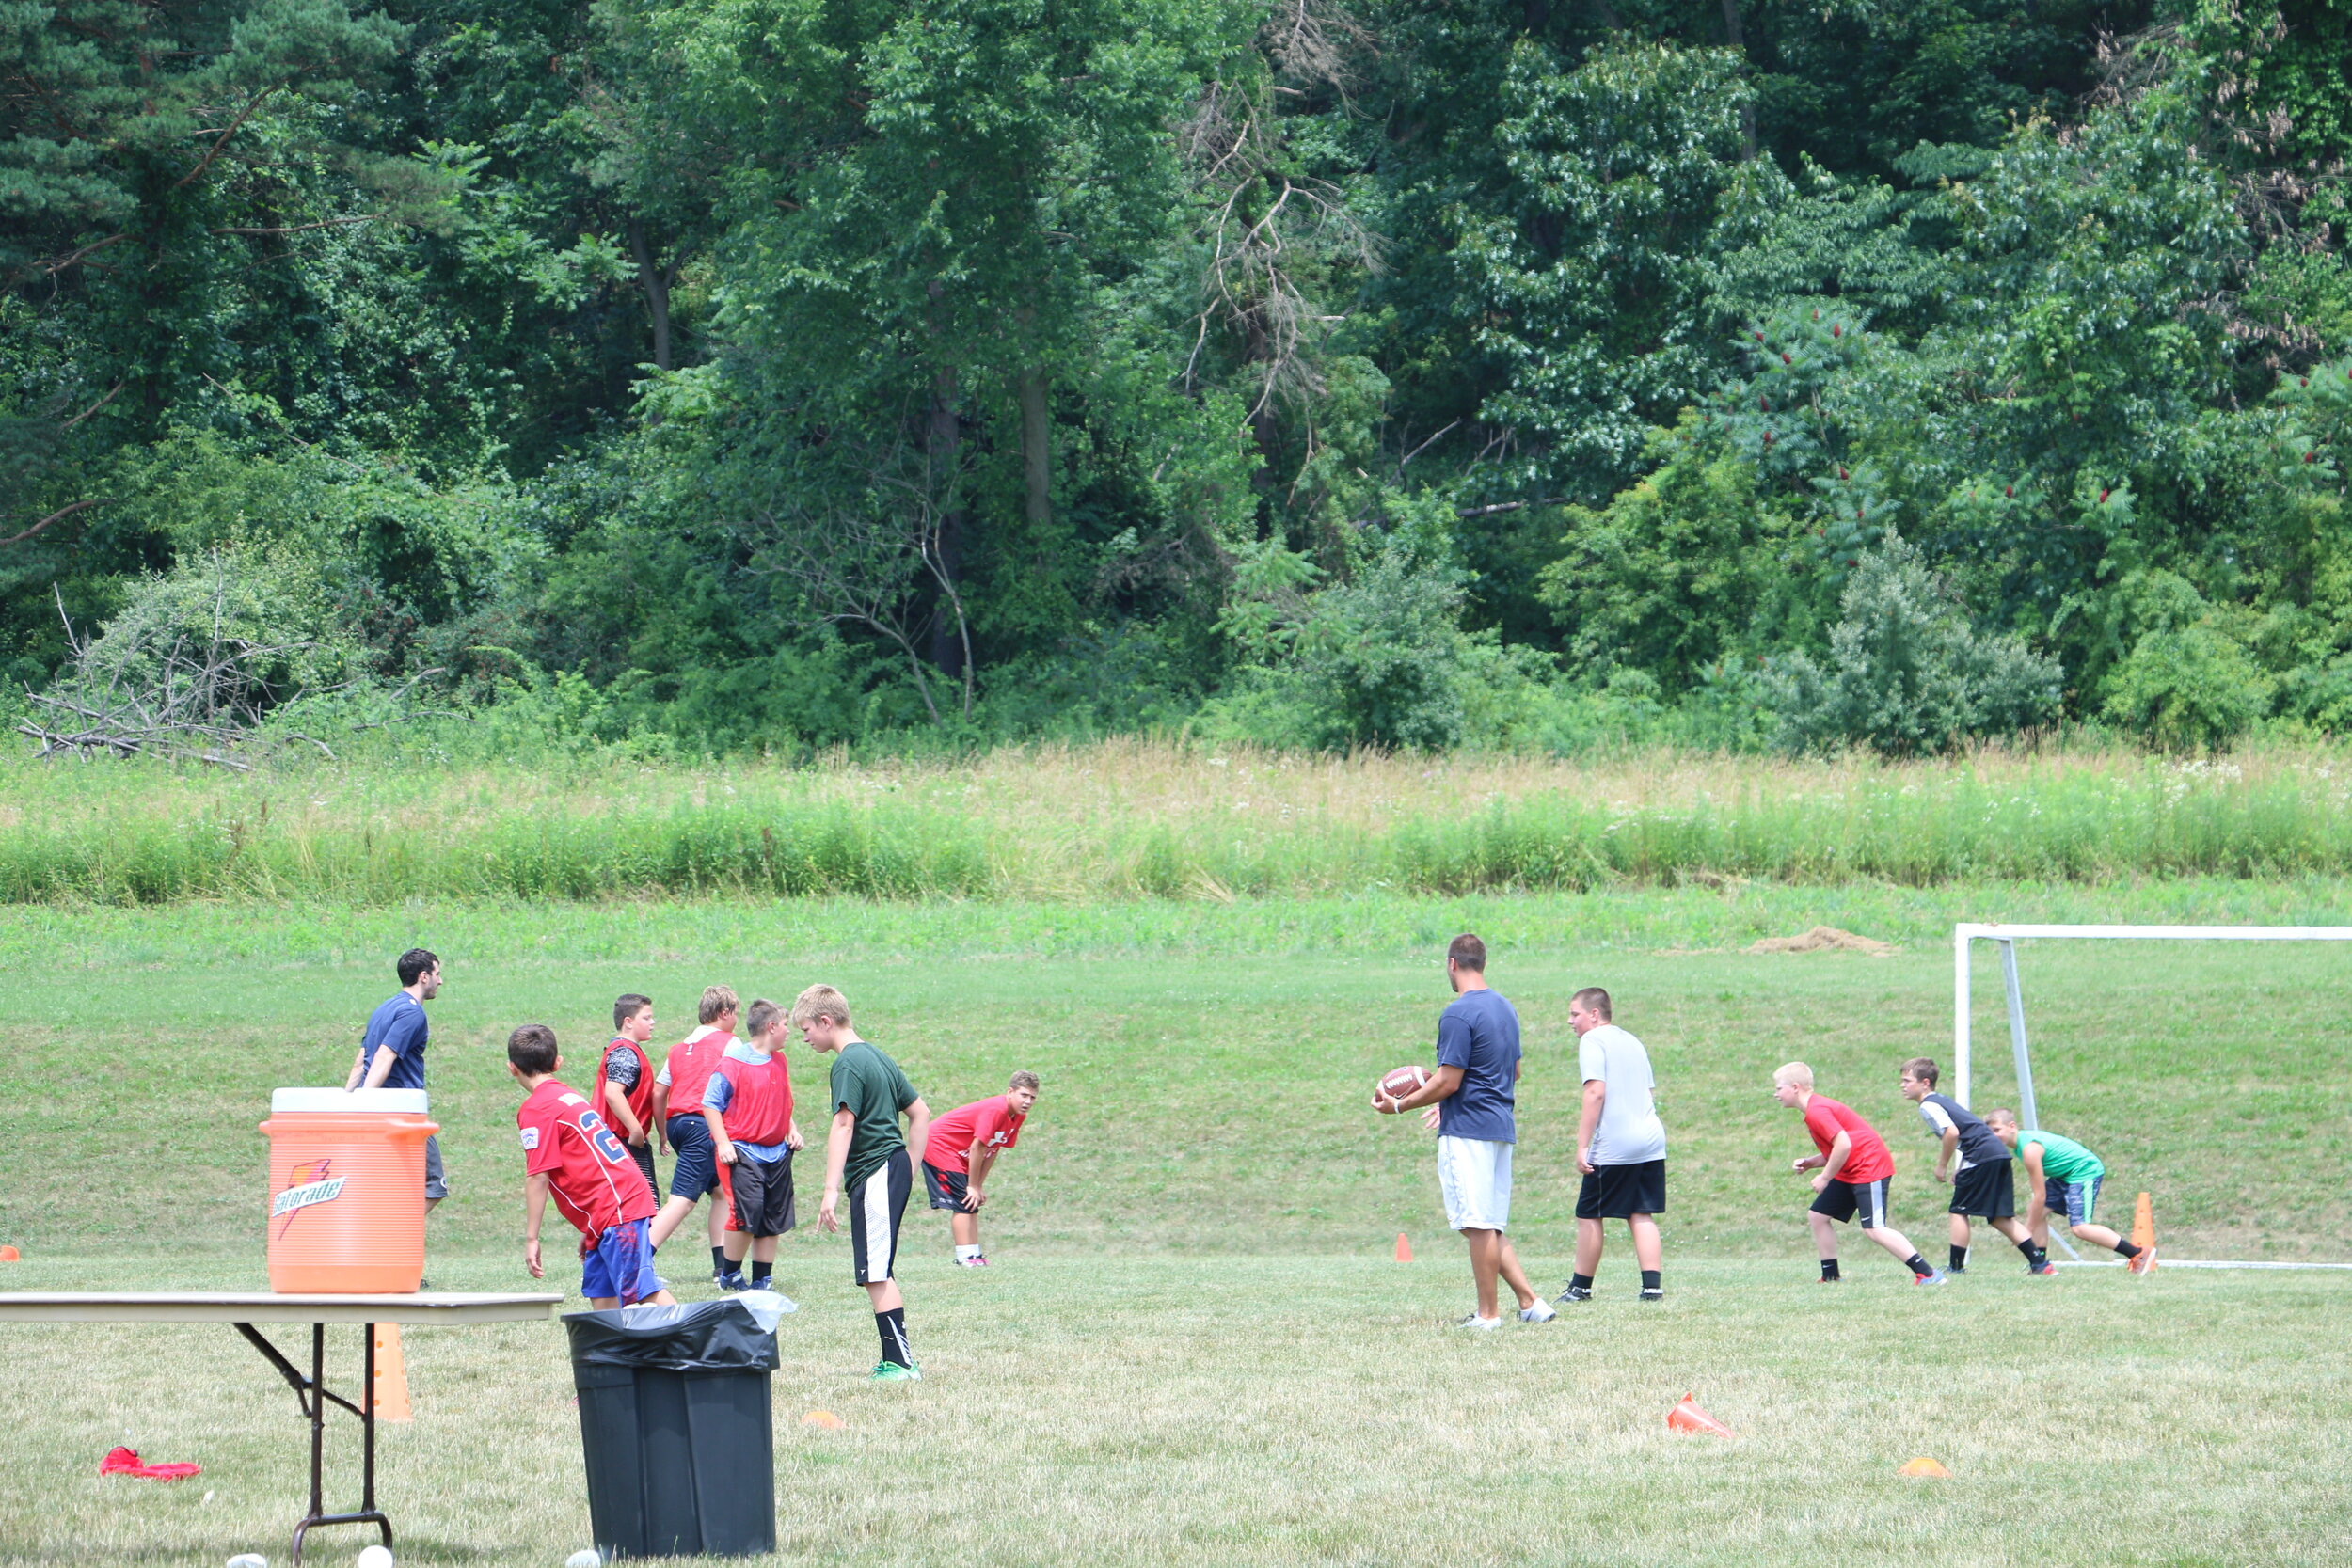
{"x": 1404, "y": 1081}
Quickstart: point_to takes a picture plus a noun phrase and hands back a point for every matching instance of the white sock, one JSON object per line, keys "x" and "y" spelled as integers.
{"x": 964, "y": 1252}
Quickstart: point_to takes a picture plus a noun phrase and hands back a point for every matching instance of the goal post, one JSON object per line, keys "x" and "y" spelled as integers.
{"x": 1969, "y": 933}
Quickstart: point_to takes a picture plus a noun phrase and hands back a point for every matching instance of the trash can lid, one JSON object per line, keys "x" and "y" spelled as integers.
{"x": 705, "y": 1335}
{"x": 388, "y": 1102}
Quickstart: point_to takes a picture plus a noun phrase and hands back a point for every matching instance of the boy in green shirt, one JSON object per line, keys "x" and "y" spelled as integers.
{"x": 866, "y": 1159}
{"x": 2062, "y": 1174}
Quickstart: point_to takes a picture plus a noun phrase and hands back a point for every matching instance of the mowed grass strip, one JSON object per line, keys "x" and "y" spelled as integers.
{"x": 1195, "y": 1102}
{"x": 1116, "y": 1408}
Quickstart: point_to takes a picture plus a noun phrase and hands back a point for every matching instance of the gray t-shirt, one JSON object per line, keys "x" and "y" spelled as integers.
{"x": 1630, "y": 1132}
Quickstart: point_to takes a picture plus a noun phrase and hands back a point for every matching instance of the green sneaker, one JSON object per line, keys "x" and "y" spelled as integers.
{"x": 890, "y": 1372}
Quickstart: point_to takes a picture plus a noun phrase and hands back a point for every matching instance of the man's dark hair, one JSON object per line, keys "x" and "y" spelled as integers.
{"x": 1467, "y": 952}
{"x": 1597, "y": 999}
{"x": 1921, "y": 1067}
{"x": 628, "y": 1005}
{"x": 415, "y": 963}
{"x": 531, "y": 1048}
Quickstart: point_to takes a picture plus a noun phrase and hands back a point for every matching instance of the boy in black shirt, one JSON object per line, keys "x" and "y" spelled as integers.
{"x": 1984, "y": 1185}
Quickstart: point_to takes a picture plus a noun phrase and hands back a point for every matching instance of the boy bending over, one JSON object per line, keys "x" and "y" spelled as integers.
{"x": 570, "y": 1153}
{"x": 2062, "y": 1174}
{"x": 1983, "y": 1186}
{"x": 1854, "y": 1168}
{"x": 960, "y": 1152}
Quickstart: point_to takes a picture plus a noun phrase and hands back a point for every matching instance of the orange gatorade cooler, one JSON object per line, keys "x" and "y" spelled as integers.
{"x": 347, "y": 1190}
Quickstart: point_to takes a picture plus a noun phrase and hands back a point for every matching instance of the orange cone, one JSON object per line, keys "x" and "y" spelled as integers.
{"x": 1404, "y": 1249}
{"x": 824, "y": 1418}
{"x": 1688, "y": 1417}
{"x": 9, "y": 1255}
{"x": 2144, "y": 1223}
{"x": 1923, "y": 1465}
{"x": 388, "y": 1399}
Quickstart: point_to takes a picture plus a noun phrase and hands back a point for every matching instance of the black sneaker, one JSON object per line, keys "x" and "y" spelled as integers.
{"x": 1653, "y": 1295}
{"x": 734, "y": 1280}
{"x": 1575, "y": 1292}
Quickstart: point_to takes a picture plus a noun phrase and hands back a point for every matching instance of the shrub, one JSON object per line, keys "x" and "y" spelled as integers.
{"x": 1906, "y": 673}
{"x": 2188, "y": 689}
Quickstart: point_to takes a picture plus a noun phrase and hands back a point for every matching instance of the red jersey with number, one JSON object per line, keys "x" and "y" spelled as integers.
{"x": 639, "y": 1091}
{"x": 595, "y": 1181}
{"x": 756, "y": 1107}
{"x": 1867, "y": 1159}
{"x": 991, "y": 1123}
{"x": 692, "y": 1062}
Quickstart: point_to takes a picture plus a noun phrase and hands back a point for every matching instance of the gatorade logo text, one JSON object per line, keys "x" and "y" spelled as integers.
{"x": 321, "y": 1188}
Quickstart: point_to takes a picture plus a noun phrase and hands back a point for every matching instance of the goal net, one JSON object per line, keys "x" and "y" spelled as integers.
{"x": 1967, "y": 935}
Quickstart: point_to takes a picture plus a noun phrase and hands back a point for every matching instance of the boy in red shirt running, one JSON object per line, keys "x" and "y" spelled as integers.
{"x": 625, "y": 1083}
{"x": 1856, "y": 1170}
{"x": 677, "y": 1109}
{"x": 960, "y": 1152}
{"x": 570, "y": 1152}
{"x": 748, "y": 1105}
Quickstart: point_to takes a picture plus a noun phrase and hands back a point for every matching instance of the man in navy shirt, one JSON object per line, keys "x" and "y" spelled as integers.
{"x": 1473, "y": 1093}
{"x": 391, "y": 1052}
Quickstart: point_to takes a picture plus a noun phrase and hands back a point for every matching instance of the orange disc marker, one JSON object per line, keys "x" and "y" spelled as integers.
{"x": 1923, "y": 1465}
{"x": 9, "y": 1255}
{"x": 824, "y": 1419}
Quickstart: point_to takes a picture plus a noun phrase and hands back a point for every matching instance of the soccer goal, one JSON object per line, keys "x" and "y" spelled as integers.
{"x": 1969, "y": 933}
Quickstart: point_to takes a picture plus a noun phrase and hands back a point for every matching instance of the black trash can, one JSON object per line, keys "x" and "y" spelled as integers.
{"x": 674, "y": 1417}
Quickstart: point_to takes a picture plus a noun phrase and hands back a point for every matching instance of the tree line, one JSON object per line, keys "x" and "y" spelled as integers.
{"x": 1414, "y": 373}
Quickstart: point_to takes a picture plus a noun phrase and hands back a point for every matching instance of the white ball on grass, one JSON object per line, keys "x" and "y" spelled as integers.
{"x": 586, "y": 1558}
{"x": 375, "y": 1557}
{"x": 249, "y": 1559}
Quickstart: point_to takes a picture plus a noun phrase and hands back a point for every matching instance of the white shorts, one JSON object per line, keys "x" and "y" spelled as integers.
{"x": 1474, "y": 1174}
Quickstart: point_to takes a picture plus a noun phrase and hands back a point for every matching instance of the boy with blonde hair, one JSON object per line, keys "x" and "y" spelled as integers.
{"x": 678, "y": 1108}
{"x": 866, "y": 1161}
{"x": 1856, "y": 1170}
{"x": 2063, "y": 1176}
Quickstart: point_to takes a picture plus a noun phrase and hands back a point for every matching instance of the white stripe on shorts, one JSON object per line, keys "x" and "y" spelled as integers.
{"x": 873, "y": 1199}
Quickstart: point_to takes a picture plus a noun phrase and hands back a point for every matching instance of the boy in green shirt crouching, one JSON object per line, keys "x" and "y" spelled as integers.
{"x": 866, "y": 1161}
{"x": 2063, "y": 1176}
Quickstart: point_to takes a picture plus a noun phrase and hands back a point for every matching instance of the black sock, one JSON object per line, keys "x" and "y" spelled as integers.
{"x": 1580, "y": 1282}
{"x": 1959, "y": 1258}
{"x": 2027, "y": 1247}
{"x": 1918, "y": 1265}
{"x": 892, "y": 1326}
{"x": 1649, "y": 1279}
{"x": 761, "y": 1271}
{"x": 2126, "y": 1250}
{"x": 1829, "y": 1268}
{"x": 719, "y": 1264}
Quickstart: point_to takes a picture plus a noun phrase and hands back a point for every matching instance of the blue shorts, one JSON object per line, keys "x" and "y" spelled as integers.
{"x": 696, "y": 1172}
{"x": 621, "y": 1264}
{"x": 2078, "y": 1200}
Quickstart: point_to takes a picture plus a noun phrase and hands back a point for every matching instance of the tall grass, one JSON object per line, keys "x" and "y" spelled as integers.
{"x": 1138, "y": 819}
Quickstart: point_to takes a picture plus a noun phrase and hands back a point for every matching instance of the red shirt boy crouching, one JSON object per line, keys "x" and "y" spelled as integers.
{"x": 570, "y": 1153}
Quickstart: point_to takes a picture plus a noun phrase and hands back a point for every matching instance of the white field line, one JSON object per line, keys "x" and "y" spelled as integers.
{"x": 2163, "y": 1263}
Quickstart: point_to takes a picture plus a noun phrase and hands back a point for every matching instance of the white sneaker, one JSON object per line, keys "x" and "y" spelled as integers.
{"x": 1540, "y": 1313}
{"x": 1474, "y": 1321}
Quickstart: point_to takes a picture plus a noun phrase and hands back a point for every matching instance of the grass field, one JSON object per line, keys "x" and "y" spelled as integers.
{"x": 1195, "y": 1347}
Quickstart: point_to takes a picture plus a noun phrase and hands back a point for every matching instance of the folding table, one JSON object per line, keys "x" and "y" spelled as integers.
{"x": 244, "y": 1310}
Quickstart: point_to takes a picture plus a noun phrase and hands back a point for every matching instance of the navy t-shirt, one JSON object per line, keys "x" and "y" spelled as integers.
{"x": 399, "y": 1023}
{"x": 1480, "y": 1034}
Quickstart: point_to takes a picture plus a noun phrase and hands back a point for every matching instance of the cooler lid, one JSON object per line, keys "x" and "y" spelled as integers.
{"x": 388, "y": 1102}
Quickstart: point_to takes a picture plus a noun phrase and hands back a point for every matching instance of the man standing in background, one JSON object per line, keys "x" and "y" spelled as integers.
{"x": 1473, "y": 1090}
{"x": 391, "y": 1052}
{"x": 1620, "y": 1146}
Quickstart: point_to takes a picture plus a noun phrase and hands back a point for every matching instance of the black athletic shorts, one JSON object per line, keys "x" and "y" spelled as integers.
{"x": 876, "y": 1206}
{"x": 1988, "y": 1191}
{"x": 946, "y": 1188}
{"x": 762, "y": 1192}
{"x": 1621, "y": 1192}
{"x": 1864, "y": 1201}
{"x": 642, "y": 1154}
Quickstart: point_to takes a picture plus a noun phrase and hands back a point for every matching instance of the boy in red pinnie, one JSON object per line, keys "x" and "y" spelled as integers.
{"x": 1855, "y": 1170}
{"x": 625, "y": 1085}
{"x": 748, "y": 1105}
{"x": 960, "y": 1152}
{"x": 570, "y": 1154}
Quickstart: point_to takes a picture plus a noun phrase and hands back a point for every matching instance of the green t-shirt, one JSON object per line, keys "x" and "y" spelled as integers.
{"x": 2062, "y": 1159}
{"x": 871, "y": 1087}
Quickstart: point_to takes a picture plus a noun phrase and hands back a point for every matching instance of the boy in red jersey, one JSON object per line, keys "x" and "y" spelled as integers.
{"x": 570, "y": 1152}
{"x": 748, "y": 1105}
{"x": 677, "y": 1109}
{"x": 963, "y": 1149}
{"x": 625, "y": 1085}
{"x": 1856, "y": 1170}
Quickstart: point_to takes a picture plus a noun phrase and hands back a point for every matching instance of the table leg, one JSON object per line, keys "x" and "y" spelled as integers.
{"x": 313, "y": 1395}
